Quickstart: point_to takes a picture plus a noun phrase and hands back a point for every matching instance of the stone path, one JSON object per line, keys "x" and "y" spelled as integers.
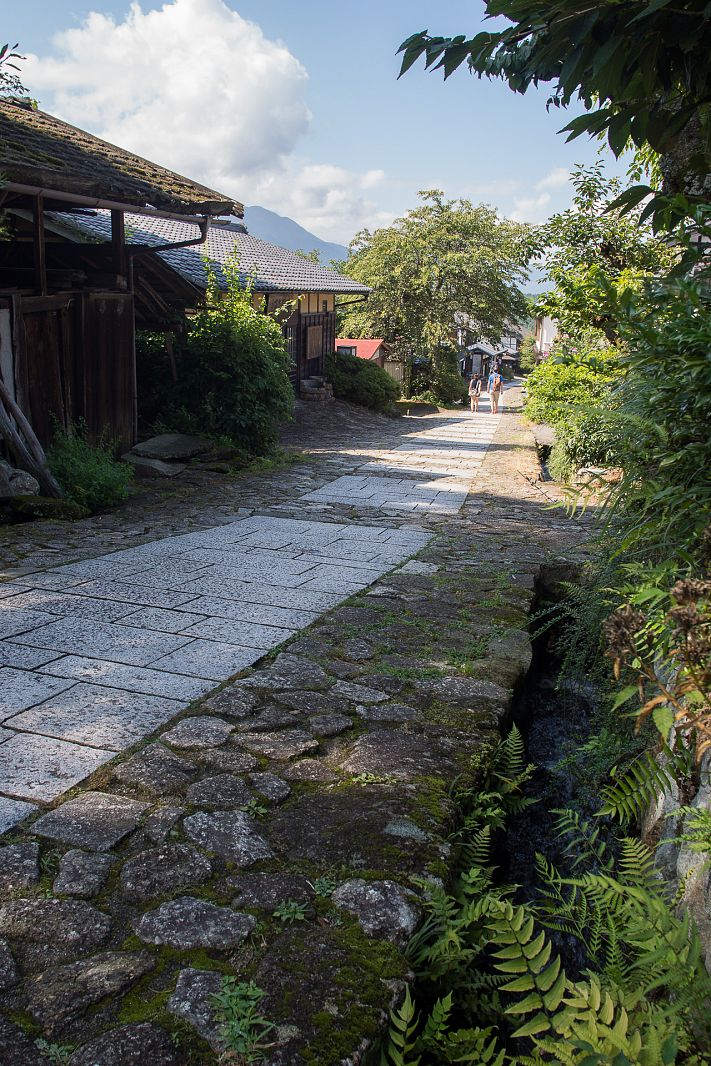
{"x": 99, "y": 653}
{"x": 280, "y": 829}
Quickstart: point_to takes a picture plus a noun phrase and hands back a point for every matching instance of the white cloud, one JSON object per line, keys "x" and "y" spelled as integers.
{"x": 533, "y": 209}
{"x": 556, "y": 179}
{"x": 197, "y": 88}
{"x": 329, "y": 200}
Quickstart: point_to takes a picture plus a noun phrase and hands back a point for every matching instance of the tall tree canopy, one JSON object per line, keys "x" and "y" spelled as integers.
{"x": 592, "y": 254}
{"x": 10, "y": 84}
{"x": 443, "y": 258}
{"x": 640, "y": 68}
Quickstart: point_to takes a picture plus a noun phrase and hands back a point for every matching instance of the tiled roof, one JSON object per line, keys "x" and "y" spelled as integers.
{"x": 38, "y": 149}
{"x": 272, "y": 269}
{"x": 365, "y": 348}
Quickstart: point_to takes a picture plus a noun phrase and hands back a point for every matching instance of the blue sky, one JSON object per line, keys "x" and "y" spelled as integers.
{"x": 296, "y": 106}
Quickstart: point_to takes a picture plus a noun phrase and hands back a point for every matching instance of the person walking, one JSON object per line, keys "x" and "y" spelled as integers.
{"x": 495, "y": 387}
{"x": 474, "y": 392}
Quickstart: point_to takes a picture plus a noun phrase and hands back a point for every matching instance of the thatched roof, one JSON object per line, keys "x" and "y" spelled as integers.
{"x": 37, "y": 149}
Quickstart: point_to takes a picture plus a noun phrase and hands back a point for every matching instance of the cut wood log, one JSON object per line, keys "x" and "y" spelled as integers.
{"x": 20, "y": 438}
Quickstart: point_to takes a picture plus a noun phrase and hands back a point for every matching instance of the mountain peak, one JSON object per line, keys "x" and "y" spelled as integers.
{"x": 278, "y": 229}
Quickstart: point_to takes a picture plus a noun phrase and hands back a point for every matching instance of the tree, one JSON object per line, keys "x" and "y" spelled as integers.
{"x": 442, "y": 258}
{"x": 640, "y": 68}
{"x": 592, "y": 254}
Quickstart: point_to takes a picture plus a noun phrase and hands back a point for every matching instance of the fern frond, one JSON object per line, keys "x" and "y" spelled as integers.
{"x": 400, "y": 1046}
{"x": 643, "y": 782}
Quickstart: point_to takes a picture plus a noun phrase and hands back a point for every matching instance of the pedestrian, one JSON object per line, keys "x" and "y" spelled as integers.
{"x": 474, "y": 392}
{"x": 495, "y": 387}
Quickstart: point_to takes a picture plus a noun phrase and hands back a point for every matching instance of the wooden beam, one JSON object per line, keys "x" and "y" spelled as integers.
{"x": 39, "y": 246}
{"x": 118, "y": 242}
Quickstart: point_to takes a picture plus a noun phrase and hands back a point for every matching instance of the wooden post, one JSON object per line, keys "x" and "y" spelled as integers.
{"x": 118, "y": 242}
{"x": 39, "y": 247}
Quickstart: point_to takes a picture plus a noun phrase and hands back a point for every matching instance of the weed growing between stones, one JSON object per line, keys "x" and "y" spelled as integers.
{"x": 244, "y": 1030}
{"x": 291, "y": 911}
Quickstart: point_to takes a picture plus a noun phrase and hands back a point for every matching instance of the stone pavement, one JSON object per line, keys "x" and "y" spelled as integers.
{"x": 99, "y": 653}
{"x": 279, "y": 830}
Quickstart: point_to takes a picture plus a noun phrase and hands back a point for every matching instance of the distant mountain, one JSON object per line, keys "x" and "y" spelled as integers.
{"x": 277, "y": 229}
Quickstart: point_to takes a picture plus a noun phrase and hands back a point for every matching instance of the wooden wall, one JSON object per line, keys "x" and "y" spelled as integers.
{"x": 73, "y": 358}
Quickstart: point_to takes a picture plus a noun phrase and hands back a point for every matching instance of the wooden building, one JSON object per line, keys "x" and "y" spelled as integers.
{"x": 68, "y": 310}
{"x": 374, "y": 350}
{"x": 279, "y": 278}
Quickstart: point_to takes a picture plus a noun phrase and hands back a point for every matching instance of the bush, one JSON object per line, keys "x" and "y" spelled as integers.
{"x": 556, "y": 386}
{"x": 362, "y": 382}
{"x": 232, "y": 373}
{"x": 585, "y": 439}
{"x": 438, "y": 381}
{"x": 88, "y": 473}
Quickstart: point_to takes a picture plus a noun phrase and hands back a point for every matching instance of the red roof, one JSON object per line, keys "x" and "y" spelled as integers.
{"x": 365, "y": 349}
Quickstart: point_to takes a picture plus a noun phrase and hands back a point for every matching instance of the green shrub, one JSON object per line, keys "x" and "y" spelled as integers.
{"x": 362, "y": 382}
{"x": 558, "y": 385}
{"x": 88, "y": 473}
{"x": 232, "y": 372}
{"x": 586, "y": 438}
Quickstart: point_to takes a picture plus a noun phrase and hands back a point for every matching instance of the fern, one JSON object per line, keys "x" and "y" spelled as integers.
{"x": 641, "y": 784}
{"x": 400, "y": 1045}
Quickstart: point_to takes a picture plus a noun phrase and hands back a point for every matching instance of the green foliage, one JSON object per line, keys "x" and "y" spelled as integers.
{"x": 438, "y": 380}
{"x": 362, "y": 382}
{"x": 528, "y": 354}
{"x": 88, "y": 473}
{"x": 10, "y": 84}
{"x": 640, "y": 68}
{"x": 665, "y": 496}
{"x": 501, "y": 991}
{"x": 441, "y": 258}
{"x": 595, "y": 257}
{"x": 243, "y": 1029}
{"x": 559, "y": 386}
{"x": 291, "y": 911}
{"x": 232, "y": 372}
{"x": 57, "y": 1054}
{"x": 324, "y": 886}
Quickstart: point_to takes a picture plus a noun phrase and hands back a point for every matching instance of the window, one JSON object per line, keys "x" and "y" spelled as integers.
{"x": 344, "y": 349}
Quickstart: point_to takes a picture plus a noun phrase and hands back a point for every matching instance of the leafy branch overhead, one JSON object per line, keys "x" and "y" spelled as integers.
{"x": 640, "y": 68}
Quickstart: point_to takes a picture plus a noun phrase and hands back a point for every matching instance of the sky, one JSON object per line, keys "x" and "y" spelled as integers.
{"x": 297, "y": 106}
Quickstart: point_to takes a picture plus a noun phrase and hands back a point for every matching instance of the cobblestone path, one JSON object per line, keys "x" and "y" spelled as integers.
{"x": 97, "y": 654}
{"x": 280, "y": 829}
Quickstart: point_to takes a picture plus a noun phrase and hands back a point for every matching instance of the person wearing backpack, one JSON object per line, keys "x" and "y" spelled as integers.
{"x": 495, "y": 387}
{"x": 474, "y": 392}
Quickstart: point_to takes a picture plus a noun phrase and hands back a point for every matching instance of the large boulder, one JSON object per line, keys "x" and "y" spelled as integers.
{"x": 15, "y": 482}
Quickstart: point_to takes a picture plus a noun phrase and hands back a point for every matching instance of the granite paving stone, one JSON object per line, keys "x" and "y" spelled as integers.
{"x": 163, "y": 620}
{"x": 103, "y": 640}
{"x": 82, "y": 873}
{"x": 14, "y": 622}
{"x": 42, "y": 768}
{"x": 248, "y": 634}
{"x": 96, "y": 716}
{"x": 96, "y": 821}
{"x": 203, "y": 731}
{"x": 193, "y": 1002}
{"x": 159, "y": 825}
{"x": 9, "y": 974}
{"x": 62, "y": 604}
{"x": 164, "y": 869}
{"x": 221, "y": 792}
{"x": 243, "y": 611}
{"x": 187, "y": 923}
{"x": 63, "y": 993}
{"x": 129, "y": 678}
{"x": 140, "y": 1044}
{"x": 209, "y": 659}
{"x": 23, "y": 658}
{"x": 14, "y": 811}
{"x": 156, "y": 771}
{"x": 270, "y": 786}
{"x": 19, "y": 867}
{"x": 126, "y": 592}
{"x": 358, "y": 693}
{"x": 281, "y": 745}
{"x": 231, "y": 834}
{"x": 329, "y": 725}
{"x": 20, "y": 689}
{"x": 72, "y": 925}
